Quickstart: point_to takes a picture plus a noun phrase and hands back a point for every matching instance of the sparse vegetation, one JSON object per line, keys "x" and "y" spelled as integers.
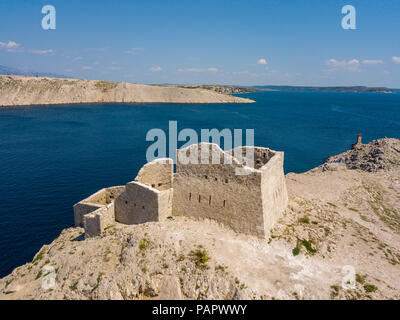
{"x": 39, "y": 256}
{"x": 200, "y": 258}
{"x": 74, "y": 286}
{"x": 144, "y": 243}
{"x": 106, "y": 85}
{"x": 296, "y": 251}
{"x": 335, "y": 291}
{"x": 8, "y": 282}
{"x": 360, "y": 278}
{"x": 370, "y": 288}
{"x": 39, "y": 274}
{"x": 98, "y": 280}
{"x": 221, "y": 268}
{"x": 308, "y": 246}
{"x": 304, "y": 219}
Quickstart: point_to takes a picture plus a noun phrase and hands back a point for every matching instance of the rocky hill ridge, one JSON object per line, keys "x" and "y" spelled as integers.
{"x": 20, "y": 90}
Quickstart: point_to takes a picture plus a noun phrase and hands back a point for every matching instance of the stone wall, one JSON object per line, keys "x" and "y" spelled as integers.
{"x": 206, "y": 185}
{"x": 246, "y": 203}
{"x": 96, "y": 221}
{"x": 274, "y": 192}
{"x": 149, "y": 197}
{"x": 157, "y": 174}
{"x": 103, "y": 198}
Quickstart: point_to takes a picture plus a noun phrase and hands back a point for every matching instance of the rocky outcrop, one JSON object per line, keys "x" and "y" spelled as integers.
{"x": 382, "y": 154}
{"x": 19, "y": 90}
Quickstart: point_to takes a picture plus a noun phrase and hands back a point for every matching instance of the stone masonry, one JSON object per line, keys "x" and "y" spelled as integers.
{"x": 201, "y": 188}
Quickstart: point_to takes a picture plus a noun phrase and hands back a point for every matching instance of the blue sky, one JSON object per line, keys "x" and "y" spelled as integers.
{"x": 223, "y": 42}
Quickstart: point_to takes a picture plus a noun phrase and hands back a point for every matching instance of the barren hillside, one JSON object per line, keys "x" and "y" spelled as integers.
{"x": 19, "y": 90}
{"x": 342, "y": 217}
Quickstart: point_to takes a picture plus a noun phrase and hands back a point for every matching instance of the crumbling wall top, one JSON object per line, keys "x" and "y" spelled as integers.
{"x": 157, "y": 174}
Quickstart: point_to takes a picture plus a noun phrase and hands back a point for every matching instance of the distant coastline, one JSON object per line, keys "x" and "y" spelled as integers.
{"x": 358, "y": 89}
{"x": 28, "y": 91}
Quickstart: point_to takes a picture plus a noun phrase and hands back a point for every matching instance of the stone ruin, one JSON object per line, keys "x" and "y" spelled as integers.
{"x": 248, "y": 203}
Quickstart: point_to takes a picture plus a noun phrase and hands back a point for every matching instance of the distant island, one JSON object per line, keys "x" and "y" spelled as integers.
{"x": 9, "y": 71}
{"x": 23, "y": 90}
{"x": 327, "y": 89}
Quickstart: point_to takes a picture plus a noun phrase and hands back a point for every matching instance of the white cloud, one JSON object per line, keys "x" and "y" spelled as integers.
{"x": 198, "y": 70}
{"x": 114, "y": 68}
{"x": 351, "y": 65}
{"x": 133, "y": 50}
{"x": 212, "y": 70}
{"x": 37, "y": 51}
{"x": 262, "y": 61}
{"x": 10, "y": 46}
{"x": 155, "y": 69}
{"x": 78, "y": 58}
{"x": 396, "y": 59}
{"x": 87, "y": 68}
{"x": 244, "y": 73}
{"x": 372, "y": 61}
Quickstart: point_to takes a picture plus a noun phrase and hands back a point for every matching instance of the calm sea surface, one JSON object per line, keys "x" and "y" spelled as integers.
{"x": 53, "y": 156}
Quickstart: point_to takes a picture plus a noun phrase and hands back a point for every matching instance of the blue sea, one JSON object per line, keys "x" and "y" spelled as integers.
{"x": 53, "y": 156}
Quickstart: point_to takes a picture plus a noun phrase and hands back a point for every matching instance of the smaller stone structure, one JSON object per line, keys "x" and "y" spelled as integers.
{"x": 97, "y": 211}
{"x": 149, "y": 197}
{"x": 358, "y": 143}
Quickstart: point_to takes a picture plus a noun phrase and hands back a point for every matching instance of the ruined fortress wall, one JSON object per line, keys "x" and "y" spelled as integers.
{"x": 249, "y": 203}
{"x": 149, "y": 197}
{"x": 96, "y": 221}
{"x": 274, "y": 192}
{"x": 141, "y": 203}
{"x": 213, "y": 192}
{"x": 113, "y": 192}
{"x": 81, "y": 209}
{"x": 165, "y": 204}
{"x": 158, "y": 174}
{"x": 138, "y": 204}
{"x": 97, "y": 200}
